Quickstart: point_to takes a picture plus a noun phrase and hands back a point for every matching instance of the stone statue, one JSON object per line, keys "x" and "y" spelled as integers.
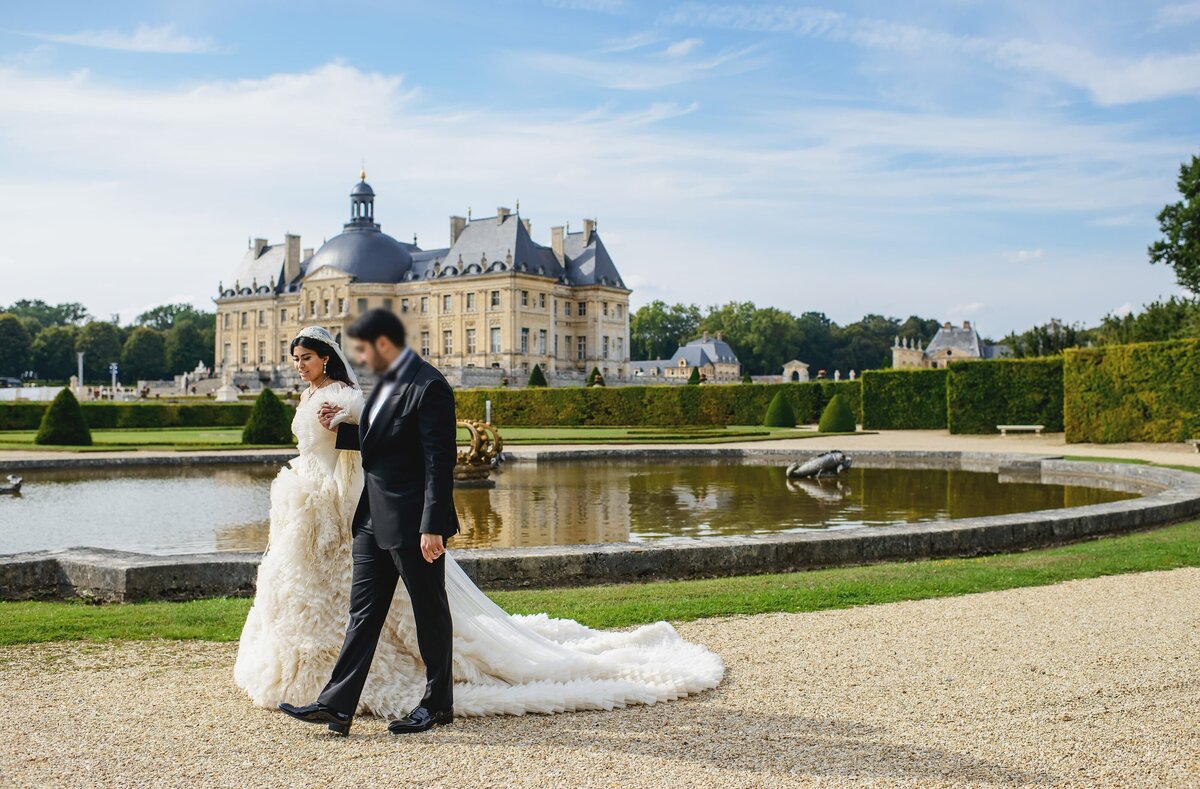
{"x": 829, "y": 463}
{"x": 13, "y": 487}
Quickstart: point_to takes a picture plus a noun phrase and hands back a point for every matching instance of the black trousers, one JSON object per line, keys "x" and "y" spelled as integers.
{"x": 375, "y": 574}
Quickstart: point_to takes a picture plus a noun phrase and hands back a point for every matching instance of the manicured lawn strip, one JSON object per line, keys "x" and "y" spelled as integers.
{"x": 630, "y": 604}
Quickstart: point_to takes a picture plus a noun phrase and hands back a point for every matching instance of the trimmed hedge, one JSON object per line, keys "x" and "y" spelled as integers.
{"x": 779, "y": 412}
{"x": 906, "y": 399}
{"x": 1141, "y": 392}
{"x": 663, "y": 405}
{"x": 837, "y": 417}
{"x": 99, "y": 416}
{"x": 983, "y": 394}
{"x": 63, "y": 423}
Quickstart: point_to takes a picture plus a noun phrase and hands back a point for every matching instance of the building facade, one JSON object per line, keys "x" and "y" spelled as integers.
{"x": 949, "y": 344}
{"x": 488, "y": 306}
{"x": 712, "y": 356}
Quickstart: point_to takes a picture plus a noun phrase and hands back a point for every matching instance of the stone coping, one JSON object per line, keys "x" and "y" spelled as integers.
{"x": 1167, "y": 496}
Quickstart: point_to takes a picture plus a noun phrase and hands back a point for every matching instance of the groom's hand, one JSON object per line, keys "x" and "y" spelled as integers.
{"x": 431, "y": 547}
{"x": 326, "y": 414}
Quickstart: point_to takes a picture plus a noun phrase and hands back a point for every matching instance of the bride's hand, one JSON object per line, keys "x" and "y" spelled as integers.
{"x": 326, "y": 414}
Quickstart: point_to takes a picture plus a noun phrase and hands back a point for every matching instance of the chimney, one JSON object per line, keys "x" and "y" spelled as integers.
{"x": 259, "y": 245}
{"x": 307, "y": 253}
{"x": 966, "y": 324}
{"x": 457, "y": 226}
{"x": 528, "y": 226}
{"x": 556, "y": 243}
{"x": 946, "y": 325}
{"x": 706, "y": 336}
{"x": 502, "y": 214}
{"x": 718, "y": 336}
{"x": 291, "y": 258}
{"x": 589, "y": 227}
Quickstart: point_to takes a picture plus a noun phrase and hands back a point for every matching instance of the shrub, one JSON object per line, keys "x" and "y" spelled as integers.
{"x": 779, "y": 413}
{"x": 746, "y": 379}
{"x": 694, "y": 378}
{"x": 537, "y": 377}
{"x": 983, "y": 394}
{"x": 909, "y": 399}
{"x": 595, "y": 378}
{"x": 63, "y": 423}
{"x": 269, "y": 422}
{"x": 837, "y": 417}
{"x": 1140, "y": 392}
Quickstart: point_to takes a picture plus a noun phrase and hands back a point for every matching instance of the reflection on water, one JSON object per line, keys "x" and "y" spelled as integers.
{"x": 181, "y": 510}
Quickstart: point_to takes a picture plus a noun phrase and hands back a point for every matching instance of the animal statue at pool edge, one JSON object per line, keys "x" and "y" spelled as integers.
{"x": 13, "y": 487}
{"x": 826, "y": 464}
{"x": 368, "y": 504}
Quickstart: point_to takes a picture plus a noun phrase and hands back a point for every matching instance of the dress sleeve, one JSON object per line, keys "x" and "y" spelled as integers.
{"x": 350, "y": 400}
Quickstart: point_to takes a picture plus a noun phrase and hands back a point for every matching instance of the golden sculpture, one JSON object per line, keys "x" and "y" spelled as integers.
{"x": 475, "y": 463}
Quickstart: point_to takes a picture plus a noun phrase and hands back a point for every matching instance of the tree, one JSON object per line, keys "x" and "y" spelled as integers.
{"x": 101, "y": 345}
{"x": 656, "y": 329}
{"x": 144, "y": 355}
{"x": 185, "y": 346}
{"x": 14, "y": 346}
{"x": 1180, "y": 225}
{"x": 746, "y": 379}
{"x": 537, "y": 377}
{"x": 1173, "y": 319}
{"x": 54, "y": 352}
{"x": 63, "y": 423}
{"x": 269, "y": 422}
{"x": 837, "y": 417}
{"x": 779, "y": 412}
{"x": 66, "y": 314}
{"x": 168, "y": 315}
{"x": 694, "y": 378}
{"x": 595, "y": 378}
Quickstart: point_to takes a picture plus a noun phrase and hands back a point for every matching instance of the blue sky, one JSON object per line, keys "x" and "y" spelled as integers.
{"x": 998, "y": 162}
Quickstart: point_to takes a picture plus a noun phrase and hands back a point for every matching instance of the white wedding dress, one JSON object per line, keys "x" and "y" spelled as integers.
{"x": 503, "y": 664}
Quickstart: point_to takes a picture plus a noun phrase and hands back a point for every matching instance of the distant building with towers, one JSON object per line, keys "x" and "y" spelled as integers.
{"x": 950, "y": 343}
{"x": 485, "y": 308}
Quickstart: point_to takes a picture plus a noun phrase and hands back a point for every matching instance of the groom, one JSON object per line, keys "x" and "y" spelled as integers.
{"x": 407, "y": 439}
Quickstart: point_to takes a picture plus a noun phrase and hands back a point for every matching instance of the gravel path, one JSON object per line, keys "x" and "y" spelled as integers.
{"x": 1085, "y": 683}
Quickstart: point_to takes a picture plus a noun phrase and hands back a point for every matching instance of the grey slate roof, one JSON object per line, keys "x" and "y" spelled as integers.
{"x": 697, "y": 353}
{"x": 591, "y": 264}
{"x": 260, "y": 269}
{"x": 961, "y": 340}
{"x": 365, "y": 253}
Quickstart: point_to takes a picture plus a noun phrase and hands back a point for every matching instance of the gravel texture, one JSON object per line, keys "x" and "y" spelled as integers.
{"x": 1081, "y": 684}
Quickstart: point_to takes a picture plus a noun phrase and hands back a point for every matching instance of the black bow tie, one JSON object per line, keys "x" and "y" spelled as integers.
{"x": 392, "y": 372}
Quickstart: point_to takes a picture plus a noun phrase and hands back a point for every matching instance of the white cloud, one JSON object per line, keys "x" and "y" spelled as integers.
{"x": 1109, "y": 78}
{"x": 1123, "y": 310}
{"x": 1177, "y": 15}
{"x": 1024, "y": 255}
{"x": 115, "y": 196}
{"x": 640, "y": 73}
{"x": 681, "y": 48}
{"x": 146, "y": 38}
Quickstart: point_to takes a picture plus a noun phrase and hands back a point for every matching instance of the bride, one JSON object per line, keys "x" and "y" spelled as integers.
{"x": 502, "y": 663}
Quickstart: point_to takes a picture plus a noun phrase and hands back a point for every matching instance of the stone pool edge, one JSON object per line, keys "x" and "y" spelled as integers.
{"x": 1169, "y": 496}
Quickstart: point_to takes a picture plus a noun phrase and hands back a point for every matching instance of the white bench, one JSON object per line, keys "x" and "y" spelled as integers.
{"x": 1005, "y": 428}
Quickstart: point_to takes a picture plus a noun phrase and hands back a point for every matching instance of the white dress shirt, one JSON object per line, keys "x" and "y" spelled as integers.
{"x": 387, "y": 387}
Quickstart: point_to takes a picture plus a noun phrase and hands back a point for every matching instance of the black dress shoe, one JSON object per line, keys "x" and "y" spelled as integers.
{"x": 421, "y": 719}
{"x": 339, "y": 722}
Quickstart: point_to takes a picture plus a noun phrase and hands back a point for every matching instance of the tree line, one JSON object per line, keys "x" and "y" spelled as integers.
{"x": 38, "y": 341}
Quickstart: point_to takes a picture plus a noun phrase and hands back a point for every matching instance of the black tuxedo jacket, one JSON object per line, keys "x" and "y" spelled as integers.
{"x": 408, "y": 456}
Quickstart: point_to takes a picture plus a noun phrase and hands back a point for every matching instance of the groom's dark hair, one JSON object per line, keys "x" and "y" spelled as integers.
{"x": 376, "y": 323}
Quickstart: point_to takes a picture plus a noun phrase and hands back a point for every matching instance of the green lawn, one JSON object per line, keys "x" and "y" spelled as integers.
{"x": 629, "y": 604}
{"x": 204, "y": 438}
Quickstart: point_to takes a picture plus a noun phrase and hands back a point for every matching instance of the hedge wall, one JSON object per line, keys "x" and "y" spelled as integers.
{"x": 664, "y": 405}
{"x": 27, "y": 416}
{"x": 1142, "y": 392}
{"x": 983, "y": 394}
{"x": 913, "y": 399}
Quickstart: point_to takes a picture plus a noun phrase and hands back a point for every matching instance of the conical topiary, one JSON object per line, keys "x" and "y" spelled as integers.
{"x": 694, "y": 378}
{"x": 63, "y": 423}
{"x": 746, "y": 379}
{"x": 837, "y": 417}
{"x": 779, "y": 412}
{"x": 269, "y": 422}
{"x": 595, "y": 378}
{"x": 537, "y": 377}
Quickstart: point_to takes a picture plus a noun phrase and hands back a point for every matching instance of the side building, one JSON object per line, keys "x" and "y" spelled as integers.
{"x": 486, "y": 308}
{"x": 712, "y": 356}
{"x": 950, "y": 343}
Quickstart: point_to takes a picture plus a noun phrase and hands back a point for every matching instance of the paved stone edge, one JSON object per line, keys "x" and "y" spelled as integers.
{"x": 1168, "y": 496}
